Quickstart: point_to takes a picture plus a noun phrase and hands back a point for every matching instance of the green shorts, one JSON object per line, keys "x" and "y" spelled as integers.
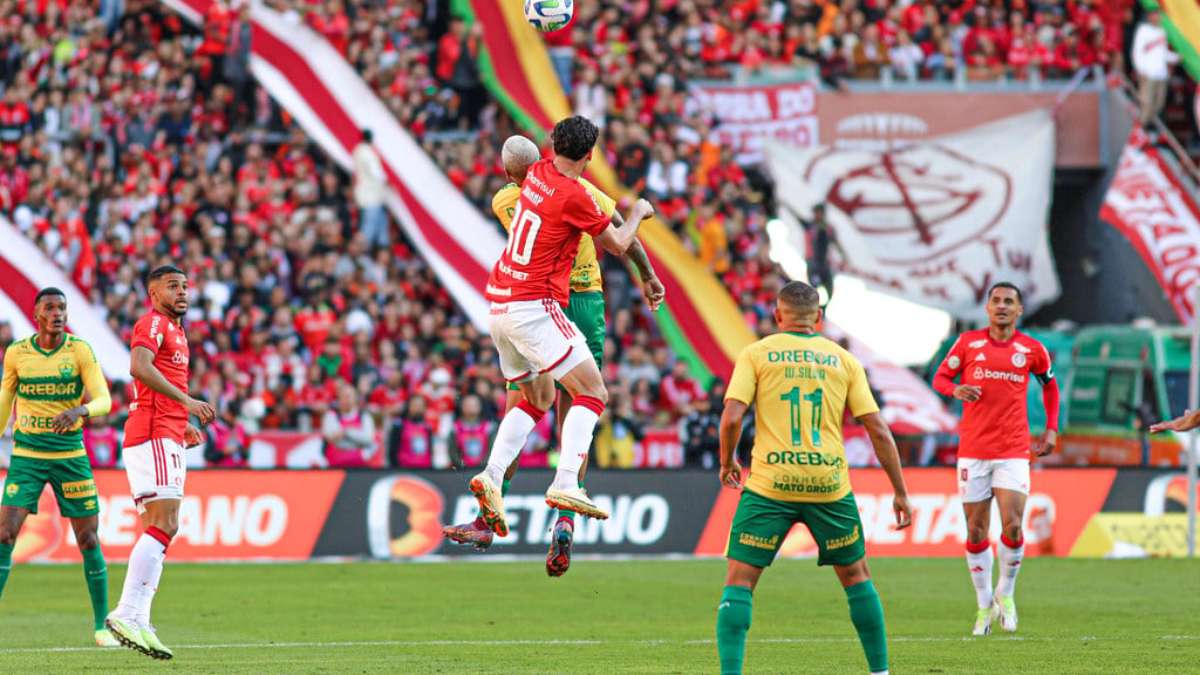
{"x": 71, "y": 479}
{"x": 760, "y": 525}
{"x": 586, "y": 311}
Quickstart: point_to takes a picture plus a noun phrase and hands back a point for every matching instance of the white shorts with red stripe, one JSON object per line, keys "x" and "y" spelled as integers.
{"x": 535, "y": 337}
{"x": 156, "y": 470}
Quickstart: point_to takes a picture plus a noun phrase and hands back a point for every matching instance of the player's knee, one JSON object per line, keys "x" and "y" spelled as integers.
{"x": 1012, "y": 531}
{"x": 854, "y": 573}
{"x": 8, "y": 536}
{"x": 976, "y": 533}
{"x": 88, "y": 540}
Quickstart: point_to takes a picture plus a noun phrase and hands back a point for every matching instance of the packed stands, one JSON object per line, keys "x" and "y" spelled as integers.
{"x": 129, "y": 140}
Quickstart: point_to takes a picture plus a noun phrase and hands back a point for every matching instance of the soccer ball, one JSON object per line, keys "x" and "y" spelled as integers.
{"x": 549, "y": 15}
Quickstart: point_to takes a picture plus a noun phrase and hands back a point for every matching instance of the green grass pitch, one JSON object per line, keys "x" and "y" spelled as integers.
{"x": 651, "y": 616}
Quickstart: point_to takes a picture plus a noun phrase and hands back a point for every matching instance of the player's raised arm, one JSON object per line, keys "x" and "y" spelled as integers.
{"x": 141, "y": 366}
{"x": 617, "y": 240}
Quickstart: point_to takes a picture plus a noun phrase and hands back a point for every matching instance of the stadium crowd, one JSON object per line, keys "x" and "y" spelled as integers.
{"x": 130, "y": 139}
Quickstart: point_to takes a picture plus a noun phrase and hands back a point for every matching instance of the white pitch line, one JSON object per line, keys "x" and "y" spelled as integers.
{"x": 551, "y": 643}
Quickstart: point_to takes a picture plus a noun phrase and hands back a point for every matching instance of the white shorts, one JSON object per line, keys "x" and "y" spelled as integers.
{"x": 535, "y": 337}
{"x": 977, "y": 477}
{"x": 156, "y": 470}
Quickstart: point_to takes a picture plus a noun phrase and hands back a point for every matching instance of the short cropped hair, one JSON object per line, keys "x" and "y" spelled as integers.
{"x": 518, "y": 154}
{"x": 1006, "y": 284}
{"x": 162, "y": 271}
{"x": 47, "y": 291}
{"x": 799, "y": 296}
{"x": 574, "y": 137}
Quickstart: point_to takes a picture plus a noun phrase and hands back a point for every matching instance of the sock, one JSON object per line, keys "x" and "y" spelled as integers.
{"x": 141, "y": 578}
{"x": 504, "y": 485}
{"x": 510, "y": 438}
{"x": 578, "y": 427}
{"x": 866, "y": 612}
{"x": 1011, "y": 552}
{"x": 979, "y": 562}
{"x": 733, "y": 621}
{"x": 6, "y": 551}
{"x": 96, "y": 574}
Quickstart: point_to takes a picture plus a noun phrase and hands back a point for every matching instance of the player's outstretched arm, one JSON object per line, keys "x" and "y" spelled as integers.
{"x": 1189, "y": 420}
{"x": 652, "y": 287}
{"x": 617, "y": 240}
{"x": 889, "y": 459}
{"x": 731, "y": 433}
{"x": 141, "y": 367}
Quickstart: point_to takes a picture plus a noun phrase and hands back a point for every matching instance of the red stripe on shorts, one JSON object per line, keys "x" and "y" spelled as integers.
{"x": 549, "y": 306}
{"x": 568, "y": 330}
{"x": 159, "y": 461}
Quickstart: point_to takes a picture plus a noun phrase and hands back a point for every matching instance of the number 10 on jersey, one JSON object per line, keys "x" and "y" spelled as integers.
{"x": 525, "y": 226}
{"x": 816, "y": 399}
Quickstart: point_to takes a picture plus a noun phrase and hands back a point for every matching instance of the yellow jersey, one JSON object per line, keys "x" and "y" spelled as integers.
{"x": 585, "y": 273}
{"x": 800, "y": 385}
{"x": 44, "y": 384}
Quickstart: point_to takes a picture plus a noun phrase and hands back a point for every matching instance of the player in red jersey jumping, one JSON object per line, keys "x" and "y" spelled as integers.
{"x": 155, "y": 435}
{"x": 994, "y": 444}
{"x": 537, "y": 343}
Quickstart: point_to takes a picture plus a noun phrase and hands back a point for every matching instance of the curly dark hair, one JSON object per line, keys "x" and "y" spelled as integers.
{"x": 574, "y": 137}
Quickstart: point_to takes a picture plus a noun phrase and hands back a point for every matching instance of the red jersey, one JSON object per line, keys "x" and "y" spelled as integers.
{"x": 554, "y": 211}
{"x": 996, "y": 426}
{"x": 152, "y": 415}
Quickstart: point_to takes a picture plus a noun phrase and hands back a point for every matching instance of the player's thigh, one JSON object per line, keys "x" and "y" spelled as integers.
{"x": 514, "y": 366}
{"x": 74, "y": 487}
{"x": 23, "y": 485}
{"x": 837, "y": 530}
{"x": 586, "y": 311}
{"x": 759, "y": 528}
{"x": 157, "y": 470}
{"x": 974, "y": 480}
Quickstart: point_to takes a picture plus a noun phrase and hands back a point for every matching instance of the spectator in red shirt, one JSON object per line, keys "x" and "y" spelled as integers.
{"x": 677, "y": 390}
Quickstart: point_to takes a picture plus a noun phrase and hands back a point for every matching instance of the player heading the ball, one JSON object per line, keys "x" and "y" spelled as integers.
{"x": 537, "y": 343}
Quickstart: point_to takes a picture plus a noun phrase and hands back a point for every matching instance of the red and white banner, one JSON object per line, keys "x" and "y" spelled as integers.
{"x": 1160, "y": 217}
{"x": 936, "y": 221}
{"x": 332, "y": 103}
{"x": 747, "y": 115}
{"x": 24, "y": 270}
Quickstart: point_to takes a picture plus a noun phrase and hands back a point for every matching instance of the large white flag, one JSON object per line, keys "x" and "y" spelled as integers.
{"x": 936, "y": 221}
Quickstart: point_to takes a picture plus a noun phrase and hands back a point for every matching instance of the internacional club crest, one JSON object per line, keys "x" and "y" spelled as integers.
{"x": 916, "y": 202}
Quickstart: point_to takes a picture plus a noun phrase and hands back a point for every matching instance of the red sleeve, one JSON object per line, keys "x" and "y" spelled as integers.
{"x": 943, "y": 380}
{"x": 145, "y": 334}
{"x": 1050, "y": 401}
{"x": 582, "y": 212}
